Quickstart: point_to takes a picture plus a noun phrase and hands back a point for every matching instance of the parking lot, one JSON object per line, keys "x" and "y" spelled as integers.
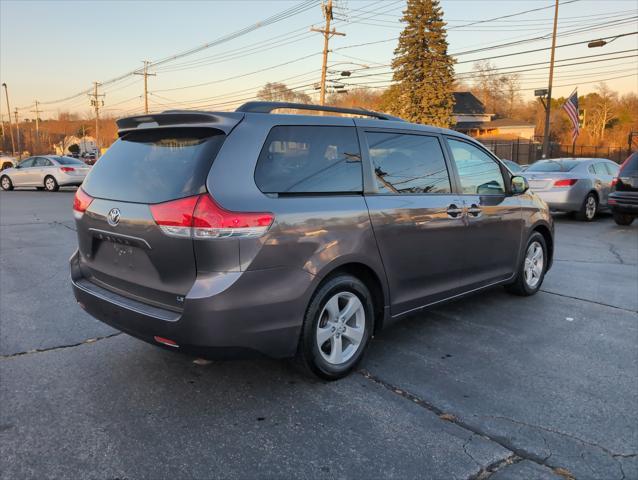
{"x": 490, "y": 386}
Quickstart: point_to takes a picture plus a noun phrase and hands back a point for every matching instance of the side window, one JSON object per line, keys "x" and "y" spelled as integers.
{"x": 41, "y": 162}
{"x": 405, "y": 163}
{"x": 310, "y": 159}
{"x": 600, "y": 169}
{"x": 27, "y": 163}
{"x": 613, "y": 169}
{"x": 479, "y": 173}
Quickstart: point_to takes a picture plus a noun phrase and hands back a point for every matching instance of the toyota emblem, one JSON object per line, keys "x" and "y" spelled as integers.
{"x": 114, "y": 217}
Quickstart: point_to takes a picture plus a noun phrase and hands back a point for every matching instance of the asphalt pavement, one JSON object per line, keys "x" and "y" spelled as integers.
{"x": 492, "y": 386}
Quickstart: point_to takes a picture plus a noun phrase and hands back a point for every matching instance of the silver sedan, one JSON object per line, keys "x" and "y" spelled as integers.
{"x": 575, "y": 185}
{"x": 47, "y": 172}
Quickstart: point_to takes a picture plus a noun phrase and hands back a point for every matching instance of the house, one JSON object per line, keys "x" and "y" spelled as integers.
{"x": 85, "y": 144}
{"x": 469, "y": 112}
{"x": 507, "y": 128}
{"x": 472, "y": 119}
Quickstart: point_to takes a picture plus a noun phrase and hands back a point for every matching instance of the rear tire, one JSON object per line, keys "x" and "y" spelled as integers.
{"x": 623, "y": 219}
{"x": 51, "y": 184}
{"x": 588, "y": 210}
{"x": 5, "y": 183}
{"x": 337, "y": 328}
{"x": 531, "y": 271}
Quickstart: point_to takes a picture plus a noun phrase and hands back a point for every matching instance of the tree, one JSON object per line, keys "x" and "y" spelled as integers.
{"x": 423, "y": 70}
{"x": 279, "y": 92}
{"x": 602, "y": 112}
{"x": 74, "y": 148}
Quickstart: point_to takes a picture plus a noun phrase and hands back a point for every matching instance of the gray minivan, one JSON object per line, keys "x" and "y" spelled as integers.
{"x": 225, "y": 233}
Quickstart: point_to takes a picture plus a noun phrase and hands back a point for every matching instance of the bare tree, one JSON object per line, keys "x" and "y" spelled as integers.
{"x": 602, "y": 111}
{"x": 279, "y": 92}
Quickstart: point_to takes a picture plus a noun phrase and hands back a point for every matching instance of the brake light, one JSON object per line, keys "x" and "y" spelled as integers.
{"x": 568, "y": 182}
{"x": 67, "y": 169}
{"x": 81, "y": 202}
{"x": 175, "y": 218}
{"x": 200, "y": 217}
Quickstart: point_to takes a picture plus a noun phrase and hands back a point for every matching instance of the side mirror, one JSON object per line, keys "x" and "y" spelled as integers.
{"x": 519, "y": 185}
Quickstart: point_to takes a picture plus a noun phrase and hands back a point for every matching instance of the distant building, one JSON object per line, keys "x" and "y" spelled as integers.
{"x": 85, "y": 144}
{"x": 469, "y": 112}
{"x": 472, "y": 119}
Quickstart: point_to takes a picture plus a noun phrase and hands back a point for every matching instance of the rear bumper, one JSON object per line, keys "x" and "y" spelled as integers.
{"x": 566, "y": 200}
{"x": 225, "y": 315}
{"x": 624, "y": 202}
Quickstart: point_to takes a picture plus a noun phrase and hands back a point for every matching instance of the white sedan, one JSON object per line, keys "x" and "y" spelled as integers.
{"x": 45, "y": 172}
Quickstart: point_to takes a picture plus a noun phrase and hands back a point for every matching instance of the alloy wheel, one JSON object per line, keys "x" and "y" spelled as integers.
{"x": 534, "y": 264}
{"x": 341, "y": 328}
{"x": 50, "y": 184}
{"x": 590, "y": 207}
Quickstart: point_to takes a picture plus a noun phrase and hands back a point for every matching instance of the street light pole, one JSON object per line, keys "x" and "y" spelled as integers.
{"x": 13, "y": 146}
{"x": 549, "y": 86}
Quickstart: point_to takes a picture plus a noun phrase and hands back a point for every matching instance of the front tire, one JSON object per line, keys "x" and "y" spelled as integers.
{"x": 5, "y": 183}
{"x": 51, "y": 184}
{"x": 337, "y": 328}
{"x": 587, "y": 212}
{"x": 531, "y": 271}
{"x": 623, "y": 219}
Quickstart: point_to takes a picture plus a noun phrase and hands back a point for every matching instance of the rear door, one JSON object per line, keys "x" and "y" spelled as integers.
{"x": 417, "y": 219}
{"x": 41, "y": 167}
{"x": 494, "y": 217}
{"x": 602, "y": 180}
{"x": 121, "y": 246}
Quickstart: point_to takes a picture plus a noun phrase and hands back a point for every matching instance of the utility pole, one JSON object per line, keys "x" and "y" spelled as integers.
{"x": 18, "y": 132}
{"x": 327, "y": 34}
{"x": 146, "y": 75}
{"x": 549, "y": 86}
{"x": 13, "y": 146}
{"x": 96, "y": 103}
{"x": 37, "y": 126}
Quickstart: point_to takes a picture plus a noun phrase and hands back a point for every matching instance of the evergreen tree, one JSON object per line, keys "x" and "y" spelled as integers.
{"x": 423, "y": 70}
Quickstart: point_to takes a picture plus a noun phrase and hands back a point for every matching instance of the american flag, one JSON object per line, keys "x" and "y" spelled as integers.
{"x": 571, "y": 107}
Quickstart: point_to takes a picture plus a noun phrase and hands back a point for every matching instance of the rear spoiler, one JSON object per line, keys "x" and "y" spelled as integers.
{"x": 225, "y": 121}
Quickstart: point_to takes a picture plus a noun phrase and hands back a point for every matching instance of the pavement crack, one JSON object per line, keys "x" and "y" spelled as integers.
{"x": 615, "y": 253}
{"x": 589, "y": 301}
{"x": 59, "y": 347}
{"x": 55, "y": 222}
{"x": 517, "y": 455}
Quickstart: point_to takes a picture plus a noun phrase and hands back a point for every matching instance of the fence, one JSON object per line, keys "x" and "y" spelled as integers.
{"x": 526, "y": 152}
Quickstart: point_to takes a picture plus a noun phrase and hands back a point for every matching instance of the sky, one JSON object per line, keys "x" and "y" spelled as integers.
{"x": 52, "y": 50}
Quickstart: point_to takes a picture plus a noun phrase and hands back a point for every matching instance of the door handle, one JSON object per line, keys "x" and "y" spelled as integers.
{"x": 474, "y": 210}
{"x": 453, "y": 211}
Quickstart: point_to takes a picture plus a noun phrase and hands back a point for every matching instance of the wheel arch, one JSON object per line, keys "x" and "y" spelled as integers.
{"x": 546, "y": 232}
{"x": 371, "y": 279}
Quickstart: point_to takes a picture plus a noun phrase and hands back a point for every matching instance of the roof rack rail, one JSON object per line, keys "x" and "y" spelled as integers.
{"x": 267, "y": 107}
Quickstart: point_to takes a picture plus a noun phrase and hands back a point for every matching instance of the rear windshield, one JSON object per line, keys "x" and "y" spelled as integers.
{"x": 630, "y": 166}
{"x": 68, "y": 161}
{"x": 552, "y": 166}
{"x": 155, "y": 166}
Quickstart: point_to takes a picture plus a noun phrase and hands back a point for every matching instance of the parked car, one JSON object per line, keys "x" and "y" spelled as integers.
{"x": 576, "y": 185}
{"x": 623, "y": 198}
{"x": 7, "y": 162}
{"x": 45, "y": 172}
{"x": 513, "y": 166}
{"x": 295, "y": 235}
{"x": 89, "y": 158}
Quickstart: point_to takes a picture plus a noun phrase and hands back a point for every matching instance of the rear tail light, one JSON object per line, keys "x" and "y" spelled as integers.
{"x": 67, "y": 169}
{"x": 568, "y": 182}
{"x": 200, "y": 217}
{"x": 81, "y": 202}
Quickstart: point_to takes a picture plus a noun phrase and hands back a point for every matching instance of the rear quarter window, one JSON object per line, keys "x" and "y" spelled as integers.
{"x": 310, "y": 159}
{"x": 155, "y": 166}
{"x": 630, "y": 166}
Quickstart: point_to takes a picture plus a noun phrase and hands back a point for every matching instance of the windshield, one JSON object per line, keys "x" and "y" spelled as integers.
{"x": 552, "y": 166}
{"x": 155, "y": 166}
{"x": 68, "y": 161}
